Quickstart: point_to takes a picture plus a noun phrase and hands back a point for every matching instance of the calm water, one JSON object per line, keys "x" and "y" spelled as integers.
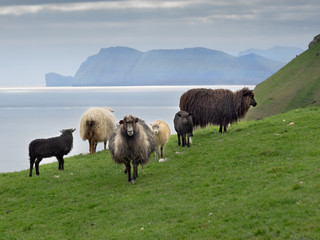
{"x": 30, "y": 113}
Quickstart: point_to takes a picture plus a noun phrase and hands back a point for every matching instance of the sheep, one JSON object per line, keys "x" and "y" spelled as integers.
{"x": 50, "y": 147}
{"x": 183, "y": 124}
{"x": 133, "y": 142}
{"x": 220, "y": 106}
{"x": 162, "y": 132}
{"x": 97, "y": 125}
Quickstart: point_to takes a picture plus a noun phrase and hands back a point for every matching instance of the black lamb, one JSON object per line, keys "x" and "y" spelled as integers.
{"x": 183, "y": 125}
{"x": 50, "y": 147}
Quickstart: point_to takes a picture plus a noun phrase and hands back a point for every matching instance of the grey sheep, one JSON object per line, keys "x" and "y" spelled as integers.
{"x": 50, "y": 147}
{"x": 183, "y": 125}
{"x": 133, "y": 142}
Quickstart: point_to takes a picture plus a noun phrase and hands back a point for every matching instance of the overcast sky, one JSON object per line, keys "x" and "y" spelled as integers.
{"x": 41, "y": 36}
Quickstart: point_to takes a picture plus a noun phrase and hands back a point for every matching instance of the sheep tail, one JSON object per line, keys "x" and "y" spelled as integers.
{"x": 90, "y": 124}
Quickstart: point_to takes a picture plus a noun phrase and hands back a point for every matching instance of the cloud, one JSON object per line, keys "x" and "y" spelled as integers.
{"x": 153, "y": 22}
{"x": 190, "y": 11}
{"x": 57, "y": 35}
{"x": 18, "y": 10}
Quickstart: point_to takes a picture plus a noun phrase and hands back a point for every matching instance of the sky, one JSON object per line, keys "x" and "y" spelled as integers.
{"x": 42, "y": 36}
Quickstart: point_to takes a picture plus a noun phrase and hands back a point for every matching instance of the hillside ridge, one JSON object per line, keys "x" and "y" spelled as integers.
{"x": 119, "y": 66}
{"x": 295, "y": 85}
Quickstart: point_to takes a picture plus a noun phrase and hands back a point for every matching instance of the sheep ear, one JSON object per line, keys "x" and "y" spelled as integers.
{"x": 179, "y": 114}
{"x": 73, "y": 129}
{"x": 136, "y": 119}
{"x": 121, "y": 122}
{"x": 246, "y": 92}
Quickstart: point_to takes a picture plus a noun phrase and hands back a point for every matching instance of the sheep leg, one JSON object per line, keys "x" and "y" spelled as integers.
{"x": 37, "y": 165}
{"x": 179, "y": 143}
{"x": 220, "y": 129}
{"x": 162, "y": 150}
{"x": 135, "y": 172}
{"x": 92, "y": 146}
{"x": 31, "y": 166}
{"x": 105, "y": 145}
{"x": 95, "y": 147}
{"x": 62, "y": 167}
{"x": 183, "y": 139}
{"x": 188, "y": 140}
{"x": 157, "y": 153}
{"x": 61, "y": 162}
{"x": 89, "y": 140}
{"x": 128, "y": 170}
{"x": 225, "y": 127}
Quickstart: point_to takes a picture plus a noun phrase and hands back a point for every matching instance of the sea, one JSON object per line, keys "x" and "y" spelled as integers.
{"x": 28, "y": 113}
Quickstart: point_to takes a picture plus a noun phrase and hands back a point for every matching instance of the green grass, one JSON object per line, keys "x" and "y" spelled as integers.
{"x": 296, "y": 85}
{"x": 261, "y": 180}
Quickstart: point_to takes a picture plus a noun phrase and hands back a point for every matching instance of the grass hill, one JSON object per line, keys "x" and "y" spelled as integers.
{"x": 261, "y": 180}
{"x": 295, "y": 85}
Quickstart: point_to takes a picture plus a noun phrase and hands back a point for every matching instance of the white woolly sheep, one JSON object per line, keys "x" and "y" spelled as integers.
{"x": 50, "y": 147}
{"x": 132, "y": 142}
{"x": 162, "y": 132}
{"x": 97, "y": 125}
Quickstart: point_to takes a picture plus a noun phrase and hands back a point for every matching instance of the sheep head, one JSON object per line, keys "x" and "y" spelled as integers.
{"x": 249, "y": 93}
{"x": 109, "y": 109}
{"x": 70, "y": 130}
{"x": 129, "y": 123}
{"x": 155, "y": 127}
{"x": 185, "y": 117}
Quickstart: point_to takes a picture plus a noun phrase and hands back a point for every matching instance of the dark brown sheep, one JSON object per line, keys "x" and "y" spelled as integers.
{"x": 220, "y": 107}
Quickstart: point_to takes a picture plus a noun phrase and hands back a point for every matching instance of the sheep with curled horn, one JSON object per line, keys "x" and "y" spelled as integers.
{"x": 132, "y": 143}
{"x": 218, "y": 107}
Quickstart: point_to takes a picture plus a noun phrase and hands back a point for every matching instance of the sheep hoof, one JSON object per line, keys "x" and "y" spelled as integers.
{"x": 133, "y": 181}
{"x": 163, "y": 159}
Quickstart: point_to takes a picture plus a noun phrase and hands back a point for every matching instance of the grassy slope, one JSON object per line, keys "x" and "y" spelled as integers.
{"x": 261, "y": 180}
{"x": 295, "y": 85}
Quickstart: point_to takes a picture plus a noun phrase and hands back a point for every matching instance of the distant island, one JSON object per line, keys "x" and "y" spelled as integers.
{"x": 123, "y": 66}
